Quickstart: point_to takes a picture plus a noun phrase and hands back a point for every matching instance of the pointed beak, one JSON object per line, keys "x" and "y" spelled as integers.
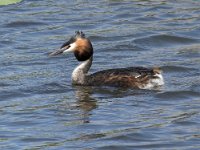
{"x": 59, "y": 51}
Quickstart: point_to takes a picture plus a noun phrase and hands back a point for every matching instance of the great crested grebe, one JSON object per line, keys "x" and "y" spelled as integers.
{"x": 132, "y": 77}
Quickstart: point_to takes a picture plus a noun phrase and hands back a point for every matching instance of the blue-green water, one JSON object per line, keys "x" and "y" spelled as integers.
{"x": 40, "y": 109}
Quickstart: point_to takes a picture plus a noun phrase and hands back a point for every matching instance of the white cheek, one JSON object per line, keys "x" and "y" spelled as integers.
{"x": 71, "y": 49}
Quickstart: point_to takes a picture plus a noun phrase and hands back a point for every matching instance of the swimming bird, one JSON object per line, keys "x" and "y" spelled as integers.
{"x": 131, "y": 77}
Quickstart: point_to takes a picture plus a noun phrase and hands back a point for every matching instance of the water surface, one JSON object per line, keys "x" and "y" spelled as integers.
{"x": 39, "y": 107}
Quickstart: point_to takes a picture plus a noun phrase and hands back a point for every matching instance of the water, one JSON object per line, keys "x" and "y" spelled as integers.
{"x": 39, "y": 107}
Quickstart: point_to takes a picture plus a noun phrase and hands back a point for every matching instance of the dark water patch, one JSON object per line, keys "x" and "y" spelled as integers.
{"x": 193, "y": 32}
{"x": 23, "y": 123}
{"x": 38, "y": 139}
{"x": 4, "y": 84}
{"x": 159, "y": 7}
{"x": 178, "y": 95}
{"x": 6, "y": 95}
{"x": 96, "y": 38}
{"x": 90, "y": 136}
{"x": 148, "y": 18}
{"x": 126, "y": 46}
{"x": 85, "y": 26}
{"x": 6, "y": 42}
{"x": 148, "y": 145}
{"x": 17, "y": 24}
{"x": 48, "y": 88}
{"x": 109, "y": 38}
{"x": 195, "y": 86}
{"x": 182, "y": 118}
{"x": 131, "y": 146}
{"x": 118, "y": 92}
{"x": 176, "y": 69}
{"x": 123, "y": 16}
{"x": 114, "y": 3}
{"x": 190, "y": 52}
{"x": 157, "y": 41}
{"x": 29, "y": 63}
{"x": 132, "y": 135}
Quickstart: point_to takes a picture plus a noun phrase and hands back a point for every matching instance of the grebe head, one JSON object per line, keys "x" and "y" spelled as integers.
{"x": 79, "y": 44}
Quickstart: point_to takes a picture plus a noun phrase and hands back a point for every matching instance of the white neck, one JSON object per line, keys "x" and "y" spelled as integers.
{"x": 80, "y": 72}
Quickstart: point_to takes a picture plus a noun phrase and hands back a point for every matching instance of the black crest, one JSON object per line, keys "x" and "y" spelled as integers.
{"x": 78, "y": 34}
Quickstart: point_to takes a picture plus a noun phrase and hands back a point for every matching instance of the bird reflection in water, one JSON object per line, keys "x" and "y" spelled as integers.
{"x": 85, "y": 102}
